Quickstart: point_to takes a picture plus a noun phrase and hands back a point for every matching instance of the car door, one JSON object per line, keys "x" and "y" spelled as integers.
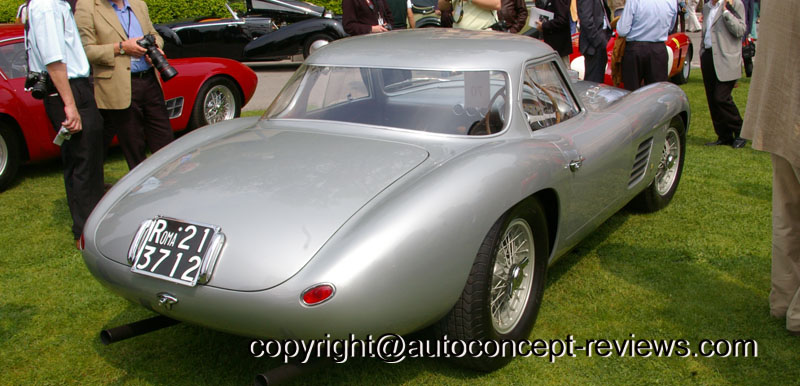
{"x": 28, "y": 113}
{"x": 592, "y": 145}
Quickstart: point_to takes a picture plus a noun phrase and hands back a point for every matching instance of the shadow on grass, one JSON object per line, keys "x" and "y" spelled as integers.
{"x": 13, "y": 319}
{"x": 701, "y": 300}
{"x": 216, "y": 357}
{"x": 35, "y": 171}
{"x": 191, "y": 355}
{"x": 574, "y": 256}
{"x": 754, "y": 191}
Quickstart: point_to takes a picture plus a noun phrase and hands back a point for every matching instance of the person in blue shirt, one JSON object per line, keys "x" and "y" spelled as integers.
{"x": 54, "y": 48}
{"x": 645, "y": 24}
{"x": 128, "y": 91}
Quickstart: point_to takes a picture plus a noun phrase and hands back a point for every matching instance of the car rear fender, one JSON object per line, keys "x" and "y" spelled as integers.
{"x": 288, "y": 40}
{"x": 414, "y": 245}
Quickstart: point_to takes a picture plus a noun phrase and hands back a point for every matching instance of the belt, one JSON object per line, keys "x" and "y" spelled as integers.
{"x": 142, "y": 74}
{"x": 635, "y": 42}
{"x": 81, "y": 79}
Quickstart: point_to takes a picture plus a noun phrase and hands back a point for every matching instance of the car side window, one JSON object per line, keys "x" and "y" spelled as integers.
{"x": 12, "y": 60}
{"x": 546, "y": 99}
{"x": 335, "y": 85}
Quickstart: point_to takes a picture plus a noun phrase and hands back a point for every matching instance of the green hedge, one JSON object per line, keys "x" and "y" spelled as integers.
{"x": 162, "y": 11}
{"x": 8, "y": 10}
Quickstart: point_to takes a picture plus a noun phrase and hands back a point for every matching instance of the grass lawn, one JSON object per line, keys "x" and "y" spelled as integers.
{"x": 697, "y": 270}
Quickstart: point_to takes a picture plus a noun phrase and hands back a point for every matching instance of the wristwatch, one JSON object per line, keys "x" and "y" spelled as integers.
{"x": 121, "y": 50}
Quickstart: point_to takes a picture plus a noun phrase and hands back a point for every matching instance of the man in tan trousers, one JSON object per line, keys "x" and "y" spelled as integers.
{"x": 772, "y": 121}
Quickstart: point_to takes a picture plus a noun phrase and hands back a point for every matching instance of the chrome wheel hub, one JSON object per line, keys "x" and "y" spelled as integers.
{"x": 219, "y": 104}
{"x": 512, "y": 276}
{"x": 667, "y": 171}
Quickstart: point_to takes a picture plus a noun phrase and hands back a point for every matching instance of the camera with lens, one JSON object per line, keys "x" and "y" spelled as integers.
{"x": 39, "y": 84}
{"x": 148, "y": 42}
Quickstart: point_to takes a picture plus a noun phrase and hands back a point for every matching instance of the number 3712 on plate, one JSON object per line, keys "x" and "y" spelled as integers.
{"x": 175, "y": 250}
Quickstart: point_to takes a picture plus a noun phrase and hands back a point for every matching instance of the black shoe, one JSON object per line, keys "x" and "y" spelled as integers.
{"x": 719, "y": 142}
{"x": 738, "y": 143}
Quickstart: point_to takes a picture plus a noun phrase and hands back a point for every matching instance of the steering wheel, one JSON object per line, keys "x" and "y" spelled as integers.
{"x": 500, "y": 92}
{"x": 541, "y": 107}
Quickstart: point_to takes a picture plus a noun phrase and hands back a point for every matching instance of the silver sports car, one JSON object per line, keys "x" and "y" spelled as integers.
{"x": 398, "y": 181}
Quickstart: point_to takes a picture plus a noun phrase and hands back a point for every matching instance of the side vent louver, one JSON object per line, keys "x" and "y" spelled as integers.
{"x": 175, "y": 107}
{"x": 640, "y": 162}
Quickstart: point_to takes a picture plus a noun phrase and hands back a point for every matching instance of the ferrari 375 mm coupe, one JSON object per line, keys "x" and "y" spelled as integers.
{"x": 398, "y": 181}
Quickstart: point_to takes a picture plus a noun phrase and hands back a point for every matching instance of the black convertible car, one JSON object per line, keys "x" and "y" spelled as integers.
{"x": 270, "y": 30}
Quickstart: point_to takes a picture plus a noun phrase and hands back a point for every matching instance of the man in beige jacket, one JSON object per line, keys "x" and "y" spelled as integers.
{"x": 773, "y": 123}
{"x": 127, "y": 90}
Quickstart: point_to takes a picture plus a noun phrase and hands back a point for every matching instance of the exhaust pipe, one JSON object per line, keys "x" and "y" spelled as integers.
{"x": 130, "y": 330}
{"x": 287, "y": 372}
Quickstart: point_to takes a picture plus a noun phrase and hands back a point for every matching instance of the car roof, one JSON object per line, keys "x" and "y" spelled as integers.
{"x": 11, "y": 31}
{"x": 433, "y": 48}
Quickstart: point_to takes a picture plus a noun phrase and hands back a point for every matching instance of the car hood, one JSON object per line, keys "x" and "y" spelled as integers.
{"x": 277, "y": 195}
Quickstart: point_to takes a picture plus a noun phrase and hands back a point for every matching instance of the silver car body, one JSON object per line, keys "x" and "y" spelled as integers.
{"x": 391, "y": 217}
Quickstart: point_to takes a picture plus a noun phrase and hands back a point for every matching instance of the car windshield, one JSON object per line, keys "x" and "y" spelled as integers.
{"x": 450, "y": 102}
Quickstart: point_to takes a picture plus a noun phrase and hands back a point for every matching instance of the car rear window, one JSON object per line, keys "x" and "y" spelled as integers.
{"x": 440, "y": 101}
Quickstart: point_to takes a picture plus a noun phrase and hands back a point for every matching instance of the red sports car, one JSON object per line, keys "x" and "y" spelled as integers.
{"x": 679, "y": 57}
{"x": 206, "y": 90}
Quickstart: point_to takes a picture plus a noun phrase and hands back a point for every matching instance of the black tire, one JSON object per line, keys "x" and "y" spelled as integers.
{"x": 660, "y": 191}
{"x": 314, "y": 43}
{"x": 683, "y": 76}
{"x": 10, "y": 155}
{"x": 219, "y": 99}
{"x": 473, "y": 315}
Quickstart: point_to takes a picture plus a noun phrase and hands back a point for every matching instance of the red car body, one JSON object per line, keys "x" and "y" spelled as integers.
{"x": 679, "y": 49}
{"x": 26, "y": 133}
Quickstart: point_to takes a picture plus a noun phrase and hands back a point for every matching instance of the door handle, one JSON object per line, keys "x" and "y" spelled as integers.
{"x": 576, "y": 164}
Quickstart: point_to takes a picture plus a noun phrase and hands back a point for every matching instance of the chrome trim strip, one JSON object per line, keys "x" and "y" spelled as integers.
{"x": 210, "y": 24}
{"x": 20, "y": 38}
{"x": 210, "y": 260}
{"x": 233, "y": 13}
{"x": 136, "y": 244}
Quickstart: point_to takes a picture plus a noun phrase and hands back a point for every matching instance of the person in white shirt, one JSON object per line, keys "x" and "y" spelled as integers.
{"x": 55, "y": 51}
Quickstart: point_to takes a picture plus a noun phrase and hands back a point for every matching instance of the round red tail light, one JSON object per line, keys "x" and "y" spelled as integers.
{"x": 318, "y": 294}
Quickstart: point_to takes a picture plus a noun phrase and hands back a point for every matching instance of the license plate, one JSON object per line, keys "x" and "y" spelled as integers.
{"x": 175, "y": 250}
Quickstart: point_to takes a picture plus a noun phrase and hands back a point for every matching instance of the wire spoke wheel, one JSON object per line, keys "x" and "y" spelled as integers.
{"x": 667, "y": 171}
{"x": 669, "y": 165}
{"x": 219, "y": 104}
{"x": 502, "y": 295}
{"x": 512, "y": 276}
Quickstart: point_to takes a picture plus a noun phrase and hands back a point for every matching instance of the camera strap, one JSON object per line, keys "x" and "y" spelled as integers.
{"x": 25, "y": 34}
{"x": 27, "y": 29}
